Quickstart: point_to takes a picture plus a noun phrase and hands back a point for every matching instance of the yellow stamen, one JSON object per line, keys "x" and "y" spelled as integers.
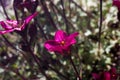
{"x": 62, "y": 42}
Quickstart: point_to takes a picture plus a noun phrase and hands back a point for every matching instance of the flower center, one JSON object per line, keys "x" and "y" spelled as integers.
{"x": 62, "y": 43}
{"x": 113, "y": 75}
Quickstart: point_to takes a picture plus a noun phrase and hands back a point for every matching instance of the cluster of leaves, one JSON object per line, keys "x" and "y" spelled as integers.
{"x": 23, "y": 56}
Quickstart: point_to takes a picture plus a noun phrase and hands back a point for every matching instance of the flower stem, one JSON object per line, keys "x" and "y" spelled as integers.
{"x": 59, "y": 73}
{"x": 71, "y": 61}
{"x": 38, "y": 63}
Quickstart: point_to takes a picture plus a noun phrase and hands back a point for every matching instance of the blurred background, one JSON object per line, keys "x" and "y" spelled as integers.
{"x": 23, "y": 56}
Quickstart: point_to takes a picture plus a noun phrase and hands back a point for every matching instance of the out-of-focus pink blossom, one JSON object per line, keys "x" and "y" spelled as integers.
{"x": 11, "y": 25}
{"x": 106, "y": 75}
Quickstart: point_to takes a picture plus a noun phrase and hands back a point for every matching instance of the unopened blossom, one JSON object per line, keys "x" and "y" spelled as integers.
{"x": 28, "y": 3}
{"x": 61, "y": 42}
{"x": 11, "y": 25}
{"x": 31, "y": 5}
{"x": 106, "y": 75}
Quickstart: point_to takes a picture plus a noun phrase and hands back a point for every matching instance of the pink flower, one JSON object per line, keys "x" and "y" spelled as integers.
{"x": 116, "y": 3}
{"x": 11, "y": 25}
{"x": 102, "y": 76}
{"x": 113, "y": 73}
{"x": 61, "y": 43}
{"x": 106, "y": 75}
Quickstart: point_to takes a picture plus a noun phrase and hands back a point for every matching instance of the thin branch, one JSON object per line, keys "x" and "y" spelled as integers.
{"x": 4, "y": 10}
{"x": 90, "y": 15}
{"x": 41, "y": 29}
{"x": 64, "y": 16}
{"x": 16, "y": 16}
{"x": 34, "y": 57}
{"x": 12, "y": 46}
{"x": 49, "y": 17}
{"x": 14, "y": 71}
{"x": 38, "y": 63}
{"x": 100, "y": 27}
{"x": 59, "y": 73}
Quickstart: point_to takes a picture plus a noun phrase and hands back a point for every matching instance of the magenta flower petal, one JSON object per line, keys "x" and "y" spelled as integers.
{"x": 26, "y": 21}
{"x": 113, "y": 70}
{"x": 71, "y": 39}
{"x": 20, "y": 28}
{"x": 65, "y": 48}
{"x": 5, "y": 26}
{"x": 6, "y": 31}
{"x": 106, "y": 76}
{"x": 113, "y": 73}
{"x": 11, "y": 25}
{"x": 51, "y": 45}
{"x": 96, "y": 76}
{"x": 102, "y": 76}
{"x": 60, "y": 36}
{"x": 29, "y": 18}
